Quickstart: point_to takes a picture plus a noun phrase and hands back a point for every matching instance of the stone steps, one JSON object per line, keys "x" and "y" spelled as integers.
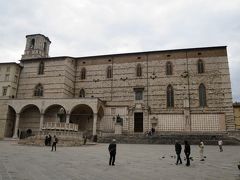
{"x": 208, "y": 139}
{"x": 39, "y": 140}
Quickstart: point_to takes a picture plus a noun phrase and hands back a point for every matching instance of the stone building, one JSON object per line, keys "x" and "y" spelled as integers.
{"x": 236, "y": 110}
{"x": 170, "y": 90}
{"x": 9, "y": 75}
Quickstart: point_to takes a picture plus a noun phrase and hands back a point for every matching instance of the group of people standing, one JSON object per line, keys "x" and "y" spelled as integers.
{"x": 187, "y": 151}
{"x": 49, "y": 141}
{"x": 151, "y": 132}
{"x": 178, "y": 148}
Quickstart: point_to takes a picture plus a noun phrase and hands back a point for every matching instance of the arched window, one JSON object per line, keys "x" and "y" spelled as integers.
{"x": 45, "y": 47}
{"x": 83, "y": 73}
{"x": 200, "y": 66}
{"x": 170, "y": 96}
{"x": 41, "y": 68}
{"x": 139, "y": 70}
{"x": 202, "y": 96}
{"x": 32, "y": 44}
{"x": 82, "y": 93}
{"x": 109, "y": 72}
{"x": 168, "y": 68}
{"x": 38, "y": 90}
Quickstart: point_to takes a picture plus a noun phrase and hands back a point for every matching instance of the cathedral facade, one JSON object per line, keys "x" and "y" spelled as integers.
{"x": 169, "y": 90}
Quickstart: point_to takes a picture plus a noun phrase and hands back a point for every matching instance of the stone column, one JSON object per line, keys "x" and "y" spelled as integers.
{"x": 41, "y": 121}
{"x": 16, "y": 126}
{"x": 95, "y": 124}
{"x": 67, "y": 118}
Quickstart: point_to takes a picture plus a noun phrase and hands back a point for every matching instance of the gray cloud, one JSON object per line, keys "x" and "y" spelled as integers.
{"x": 91, "y": 27}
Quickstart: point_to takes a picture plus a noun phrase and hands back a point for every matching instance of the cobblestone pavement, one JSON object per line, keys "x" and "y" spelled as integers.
{"x": 133, "y": 162}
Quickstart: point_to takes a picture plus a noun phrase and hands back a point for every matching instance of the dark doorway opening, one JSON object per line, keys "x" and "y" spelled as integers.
{"x": 138, "y": 122}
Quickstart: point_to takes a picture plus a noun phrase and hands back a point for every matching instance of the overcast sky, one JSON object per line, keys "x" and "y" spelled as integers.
{"x": 93, "y": 27}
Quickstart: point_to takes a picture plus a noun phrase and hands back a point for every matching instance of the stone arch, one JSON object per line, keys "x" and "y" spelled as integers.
{"x": 29, "y": 119}
{"x": 10, "y": 122}
{"x": 82, "y": 115}
{"x": 28, "y": 106}
{"x": 55, "y": 113}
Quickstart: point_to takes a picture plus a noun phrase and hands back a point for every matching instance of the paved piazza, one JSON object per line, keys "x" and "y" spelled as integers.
{"x": 133, "y": 162}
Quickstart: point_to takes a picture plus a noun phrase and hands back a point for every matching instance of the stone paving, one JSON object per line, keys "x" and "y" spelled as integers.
{"x": 133, "y": 162}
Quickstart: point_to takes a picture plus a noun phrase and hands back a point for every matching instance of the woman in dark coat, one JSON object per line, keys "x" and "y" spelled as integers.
{"x": 187, "y": 151}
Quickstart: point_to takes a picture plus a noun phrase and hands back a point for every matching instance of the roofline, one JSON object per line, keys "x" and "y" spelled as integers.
{"x": 39, "y": 35}
{"x": 9, "y": 63}
{"x": 133, "y": 53}
{"x": 236, "y": 104}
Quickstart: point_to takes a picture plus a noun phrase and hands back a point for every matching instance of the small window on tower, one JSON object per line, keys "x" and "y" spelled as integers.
{"x": 32, "y": 44}
{"x": 45, "y": 47}
{"x": 109, "y": 72}
{"x": 7, "y": 77}
{"x": 41, "y": 68}
{"x": 83, "y": 73}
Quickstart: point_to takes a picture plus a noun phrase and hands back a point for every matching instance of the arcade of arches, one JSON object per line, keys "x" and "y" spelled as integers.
{"x": 30, "y": 116}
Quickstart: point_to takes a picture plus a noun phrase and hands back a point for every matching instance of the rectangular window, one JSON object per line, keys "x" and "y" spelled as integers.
{"x": 113, "y": 111}
{"x": 7, "y": 77}
{"x": 8, "y": 68}
{"x": 4, "y": 91}
{"x": 138, "y": 93}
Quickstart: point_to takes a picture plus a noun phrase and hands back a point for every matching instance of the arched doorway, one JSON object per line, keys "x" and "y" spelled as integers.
{"x": 29, "y": 119}
{"x": 55, "y": 113}
{"x": 10, "y": 122}
{"x": 83, "y": 116}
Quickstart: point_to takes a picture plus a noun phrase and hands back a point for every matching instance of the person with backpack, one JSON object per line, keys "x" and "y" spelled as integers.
{"x": 55, "y": 141}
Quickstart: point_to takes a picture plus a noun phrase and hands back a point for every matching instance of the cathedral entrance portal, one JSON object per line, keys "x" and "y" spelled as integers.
{"x": 83, "y": 116}
{"x": 138, "y": 122}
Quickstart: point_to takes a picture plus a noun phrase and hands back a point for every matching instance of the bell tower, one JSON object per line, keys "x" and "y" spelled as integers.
{"x": 37, "y": 46}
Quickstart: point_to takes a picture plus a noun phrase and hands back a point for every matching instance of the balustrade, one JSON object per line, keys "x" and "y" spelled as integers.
{"x": 60, "y": 126}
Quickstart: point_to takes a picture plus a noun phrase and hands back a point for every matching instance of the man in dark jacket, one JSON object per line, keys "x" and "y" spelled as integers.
{"x": 112, "y": 151}
{"x": 54, "y": 144}
{"x": 187, "y": 151}
{"x": 178, "y": 149}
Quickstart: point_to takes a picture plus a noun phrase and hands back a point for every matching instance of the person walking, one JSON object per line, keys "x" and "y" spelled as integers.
{"x": 178, "y": 149}
{"x": 187, "y": 151}
{"x": 220, "y": 143}
{"x": 54, "y": 144}
{"x": 112, "y": 151}
{"x": 201, "y": 146}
